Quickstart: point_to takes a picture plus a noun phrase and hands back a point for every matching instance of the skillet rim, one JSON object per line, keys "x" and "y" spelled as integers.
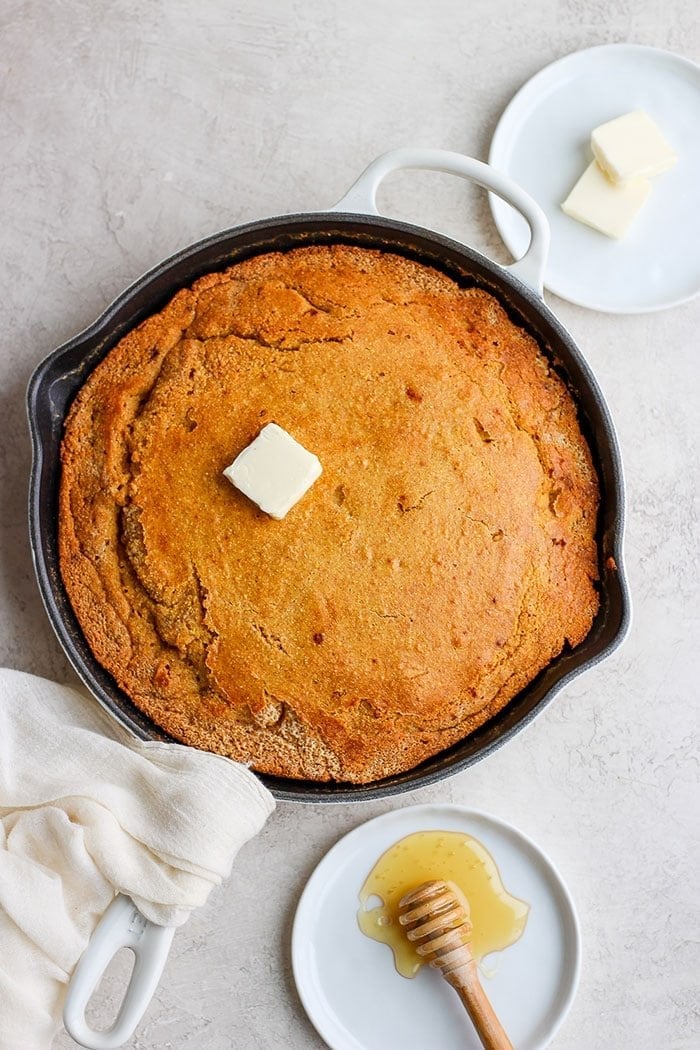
{"x": 57, "y": 378}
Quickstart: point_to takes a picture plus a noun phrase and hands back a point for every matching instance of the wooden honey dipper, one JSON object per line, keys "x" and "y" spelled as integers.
{"x": 437, "y": 924}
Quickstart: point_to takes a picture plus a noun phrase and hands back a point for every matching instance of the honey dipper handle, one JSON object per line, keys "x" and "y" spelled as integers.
{"x": 465, "y": 980}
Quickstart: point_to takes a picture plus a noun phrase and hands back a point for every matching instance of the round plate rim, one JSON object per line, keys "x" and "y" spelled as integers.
{"x": 499, "y": 136}
{"x": 304, "y": 909}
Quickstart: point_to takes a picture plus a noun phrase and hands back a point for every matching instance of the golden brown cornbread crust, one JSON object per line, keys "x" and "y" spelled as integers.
{"x": 444, "y": 557}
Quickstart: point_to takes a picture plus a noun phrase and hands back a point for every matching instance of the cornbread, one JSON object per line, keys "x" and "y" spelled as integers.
{"x": 444, "y": 557}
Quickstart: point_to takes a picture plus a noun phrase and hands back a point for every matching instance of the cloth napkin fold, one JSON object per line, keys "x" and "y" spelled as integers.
{"x": 87, "y": 811}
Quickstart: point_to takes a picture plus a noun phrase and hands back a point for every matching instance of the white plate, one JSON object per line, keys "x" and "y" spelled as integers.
{"x": 348, "y": 984}
{"x": 542, "y": 142}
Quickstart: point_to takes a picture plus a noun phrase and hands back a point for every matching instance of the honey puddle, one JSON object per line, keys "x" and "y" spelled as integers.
{"x": 498, "y": 919}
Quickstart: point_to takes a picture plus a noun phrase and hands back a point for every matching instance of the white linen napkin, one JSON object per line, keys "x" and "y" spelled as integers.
{"x": 87, "y": 811}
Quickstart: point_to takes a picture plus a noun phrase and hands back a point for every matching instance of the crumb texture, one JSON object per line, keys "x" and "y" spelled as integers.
{"x": 444, "y": 557}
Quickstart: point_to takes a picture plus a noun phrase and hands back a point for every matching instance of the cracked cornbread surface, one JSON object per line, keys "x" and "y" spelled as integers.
{"x": 444, "y": 557}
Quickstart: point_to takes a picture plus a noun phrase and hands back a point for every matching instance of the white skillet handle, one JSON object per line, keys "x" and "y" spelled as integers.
{"x": 121, "y": 926}
{"x": 361, "y": 199}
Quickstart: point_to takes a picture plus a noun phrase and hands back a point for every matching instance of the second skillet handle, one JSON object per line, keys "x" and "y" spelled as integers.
{"x": 361, "y": 199}
{"x": 121, "y": 926}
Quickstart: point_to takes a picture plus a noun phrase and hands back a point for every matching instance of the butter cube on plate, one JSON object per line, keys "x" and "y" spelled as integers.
{"x": 609, "y": 208}
{"x": 274, "y": 471}
{"x": 631, "y": 147}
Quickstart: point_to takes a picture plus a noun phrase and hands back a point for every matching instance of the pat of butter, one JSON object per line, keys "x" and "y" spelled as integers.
{"x": 598, "y": 202}
{"x": 631, "y": 147}
{"x": 274, "y": 471}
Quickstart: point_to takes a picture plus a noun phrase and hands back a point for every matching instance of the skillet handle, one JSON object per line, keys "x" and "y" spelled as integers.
{"x": 361, "y": 199}
{"x": 121, "y": 926}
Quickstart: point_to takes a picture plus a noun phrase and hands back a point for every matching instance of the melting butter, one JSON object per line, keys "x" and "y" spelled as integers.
{"x": 498, "y": 918}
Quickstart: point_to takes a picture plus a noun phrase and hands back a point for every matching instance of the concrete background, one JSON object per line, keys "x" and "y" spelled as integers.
{"x": 129, "y": 129}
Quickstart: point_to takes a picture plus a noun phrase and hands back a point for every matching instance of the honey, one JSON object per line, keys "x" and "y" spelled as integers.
{"x": 498, "y": 919}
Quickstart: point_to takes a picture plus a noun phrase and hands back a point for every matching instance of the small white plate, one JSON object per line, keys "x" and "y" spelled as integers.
{"x": 542, "y": 142}
{"x": 347, "y": 982}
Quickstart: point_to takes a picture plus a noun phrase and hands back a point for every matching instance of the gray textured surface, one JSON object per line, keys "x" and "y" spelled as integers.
{"x": 128, "y": 129}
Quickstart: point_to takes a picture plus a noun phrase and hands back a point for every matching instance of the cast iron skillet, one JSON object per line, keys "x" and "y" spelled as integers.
{"x": 354, "y": 220}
